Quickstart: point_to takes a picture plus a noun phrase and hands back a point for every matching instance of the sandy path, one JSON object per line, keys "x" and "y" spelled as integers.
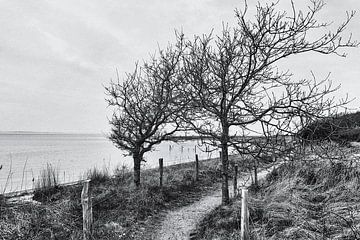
{"x": 179, "y": 224}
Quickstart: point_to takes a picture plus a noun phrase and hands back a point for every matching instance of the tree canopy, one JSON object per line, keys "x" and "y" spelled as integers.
{"x": 221, "y": 86}
{"x": 233, "y": 80}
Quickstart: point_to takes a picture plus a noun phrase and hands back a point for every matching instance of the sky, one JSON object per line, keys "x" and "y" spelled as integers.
{"x": 57, "y": 56}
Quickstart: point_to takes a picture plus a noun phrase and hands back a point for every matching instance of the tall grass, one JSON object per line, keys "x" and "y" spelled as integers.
{"x": 49, "y": 178}
{"x": 9, "y": 176}
{"x": 47, "y": 183}
{"x": 308, "y": 199}
{"x": 2, "y": 199}
{"x": 5, "y": 187}
{"x": 98, "y": 176}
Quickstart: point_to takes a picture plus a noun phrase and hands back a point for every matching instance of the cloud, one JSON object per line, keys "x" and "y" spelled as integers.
{"x": 55, "y": 55}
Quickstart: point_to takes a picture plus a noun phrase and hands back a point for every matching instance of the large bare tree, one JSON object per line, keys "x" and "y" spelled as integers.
{"x": 234, "y": 83}
{"x": 146, "y": 105}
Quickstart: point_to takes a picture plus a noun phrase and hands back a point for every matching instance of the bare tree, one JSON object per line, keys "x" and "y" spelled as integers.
{"x": 234, "y": 83}
{"x": 146, "y": 106}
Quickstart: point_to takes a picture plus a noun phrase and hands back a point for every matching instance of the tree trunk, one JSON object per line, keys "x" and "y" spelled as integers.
{"x": 225, "y": 178}
{"x": 255, "y": 173}
{"x": 225, "y": 199}
{"x": 137, "y": 164}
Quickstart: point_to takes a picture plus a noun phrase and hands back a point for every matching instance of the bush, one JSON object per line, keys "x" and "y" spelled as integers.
{"x": 340, "y": 128}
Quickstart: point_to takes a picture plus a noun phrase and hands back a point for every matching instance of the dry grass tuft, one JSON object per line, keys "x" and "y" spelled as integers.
{"x": 47, "y": 184}
{"x": 98, "y": 176}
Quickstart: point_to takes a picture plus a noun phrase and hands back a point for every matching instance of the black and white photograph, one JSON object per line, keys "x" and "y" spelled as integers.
{"x": 179, "y": 120}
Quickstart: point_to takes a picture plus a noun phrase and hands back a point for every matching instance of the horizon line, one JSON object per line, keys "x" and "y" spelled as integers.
{"x": 48, "y": 132}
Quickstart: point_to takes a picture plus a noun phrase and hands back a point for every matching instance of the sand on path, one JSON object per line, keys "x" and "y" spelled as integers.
{"x": 179, "y": 224}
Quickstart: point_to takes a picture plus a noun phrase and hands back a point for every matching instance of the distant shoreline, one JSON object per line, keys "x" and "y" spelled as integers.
{"x": 171, "y": 138}
{"x": 47, "y": 133}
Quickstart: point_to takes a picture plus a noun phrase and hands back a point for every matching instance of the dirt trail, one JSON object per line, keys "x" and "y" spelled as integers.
{"x": 178, "y": 224}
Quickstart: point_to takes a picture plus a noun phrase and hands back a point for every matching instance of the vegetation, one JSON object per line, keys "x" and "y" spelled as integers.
{"x": 233, "y": 82}
{"x": 47, "y": 183}
{"x": 228, "y": 85}
{"x": 340, "y": 128}
{"x": 314, "y": 198}
{"x": 2, "y": 198}
{"x": 120, "y": 211}
{"x": 98, "y": 176}
{"x": 146, "y": 106}
{"x": 223, "y": 88}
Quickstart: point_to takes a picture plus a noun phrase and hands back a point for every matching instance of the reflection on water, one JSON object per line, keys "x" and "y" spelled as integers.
{"x": 22, "y": 156}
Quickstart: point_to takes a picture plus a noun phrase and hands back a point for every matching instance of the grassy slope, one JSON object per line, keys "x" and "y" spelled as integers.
{"x": 306, "y": 200}
{"x": 120, "y": 211}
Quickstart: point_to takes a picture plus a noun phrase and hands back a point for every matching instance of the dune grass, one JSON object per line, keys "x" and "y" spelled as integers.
{"x": 47, "y": 183}
{"x": 98, "y": 176}
{"x": 120, "y": 210}
{"x": 316, "y": 199}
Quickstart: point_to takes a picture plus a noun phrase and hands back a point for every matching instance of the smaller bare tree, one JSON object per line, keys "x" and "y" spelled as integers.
{"x": 146, "y": 106}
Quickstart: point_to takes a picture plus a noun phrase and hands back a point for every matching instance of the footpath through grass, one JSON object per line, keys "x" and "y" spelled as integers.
{"x": 120, "y": 210}
{"x": 315, "y": 198}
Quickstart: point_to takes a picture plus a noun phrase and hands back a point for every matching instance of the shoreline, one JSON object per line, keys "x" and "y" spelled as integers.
{"x": 20, "y": 193}
{"x": 23, "y": 157}
{"x": 117, "y": 204}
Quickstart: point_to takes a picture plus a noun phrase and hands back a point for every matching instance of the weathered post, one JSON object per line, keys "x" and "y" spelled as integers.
{"x": 244, "y": 231}
{"x": 235, "y": 179}
{"x": 87, "y": 210}
{"x": 255, "y": 173}
{"x": 161, "y": 168}
{"x": 196, "y": 167}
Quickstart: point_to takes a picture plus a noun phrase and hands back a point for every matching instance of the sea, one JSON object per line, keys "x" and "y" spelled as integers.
{"x": 24, "y": 155}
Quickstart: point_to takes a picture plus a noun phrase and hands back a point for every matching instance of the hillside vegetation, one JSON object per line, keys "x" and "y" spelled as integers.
{"x": 313, "y": 198}
{"x": 120, "y": 210}
{"x": 341, "y": 128}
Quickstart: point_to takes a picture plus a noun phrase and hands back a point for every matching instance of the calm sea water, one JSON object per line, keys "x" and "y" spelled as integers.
{"x": 23, "y": 156}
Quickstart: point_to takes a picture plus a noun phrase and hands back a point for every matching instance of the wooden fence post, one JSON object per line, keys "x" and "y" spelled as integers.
{"x": 87, "y": 210}
{"x": 196, "y": 167}
{"x": 255, "y": 173}
{"x": 235, "y": 179}
{"x": 244, "y": 231}
{"x": 161, "y": 168}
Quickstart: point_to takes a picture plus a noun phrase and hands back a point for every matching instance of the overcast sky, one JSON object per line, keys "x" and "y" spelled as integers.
{"x": 55, "y": 56}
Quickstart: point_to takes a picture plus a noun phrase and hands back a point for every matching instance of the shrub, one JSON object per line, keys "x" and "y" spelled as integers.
{"x": 340, "y": 128}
